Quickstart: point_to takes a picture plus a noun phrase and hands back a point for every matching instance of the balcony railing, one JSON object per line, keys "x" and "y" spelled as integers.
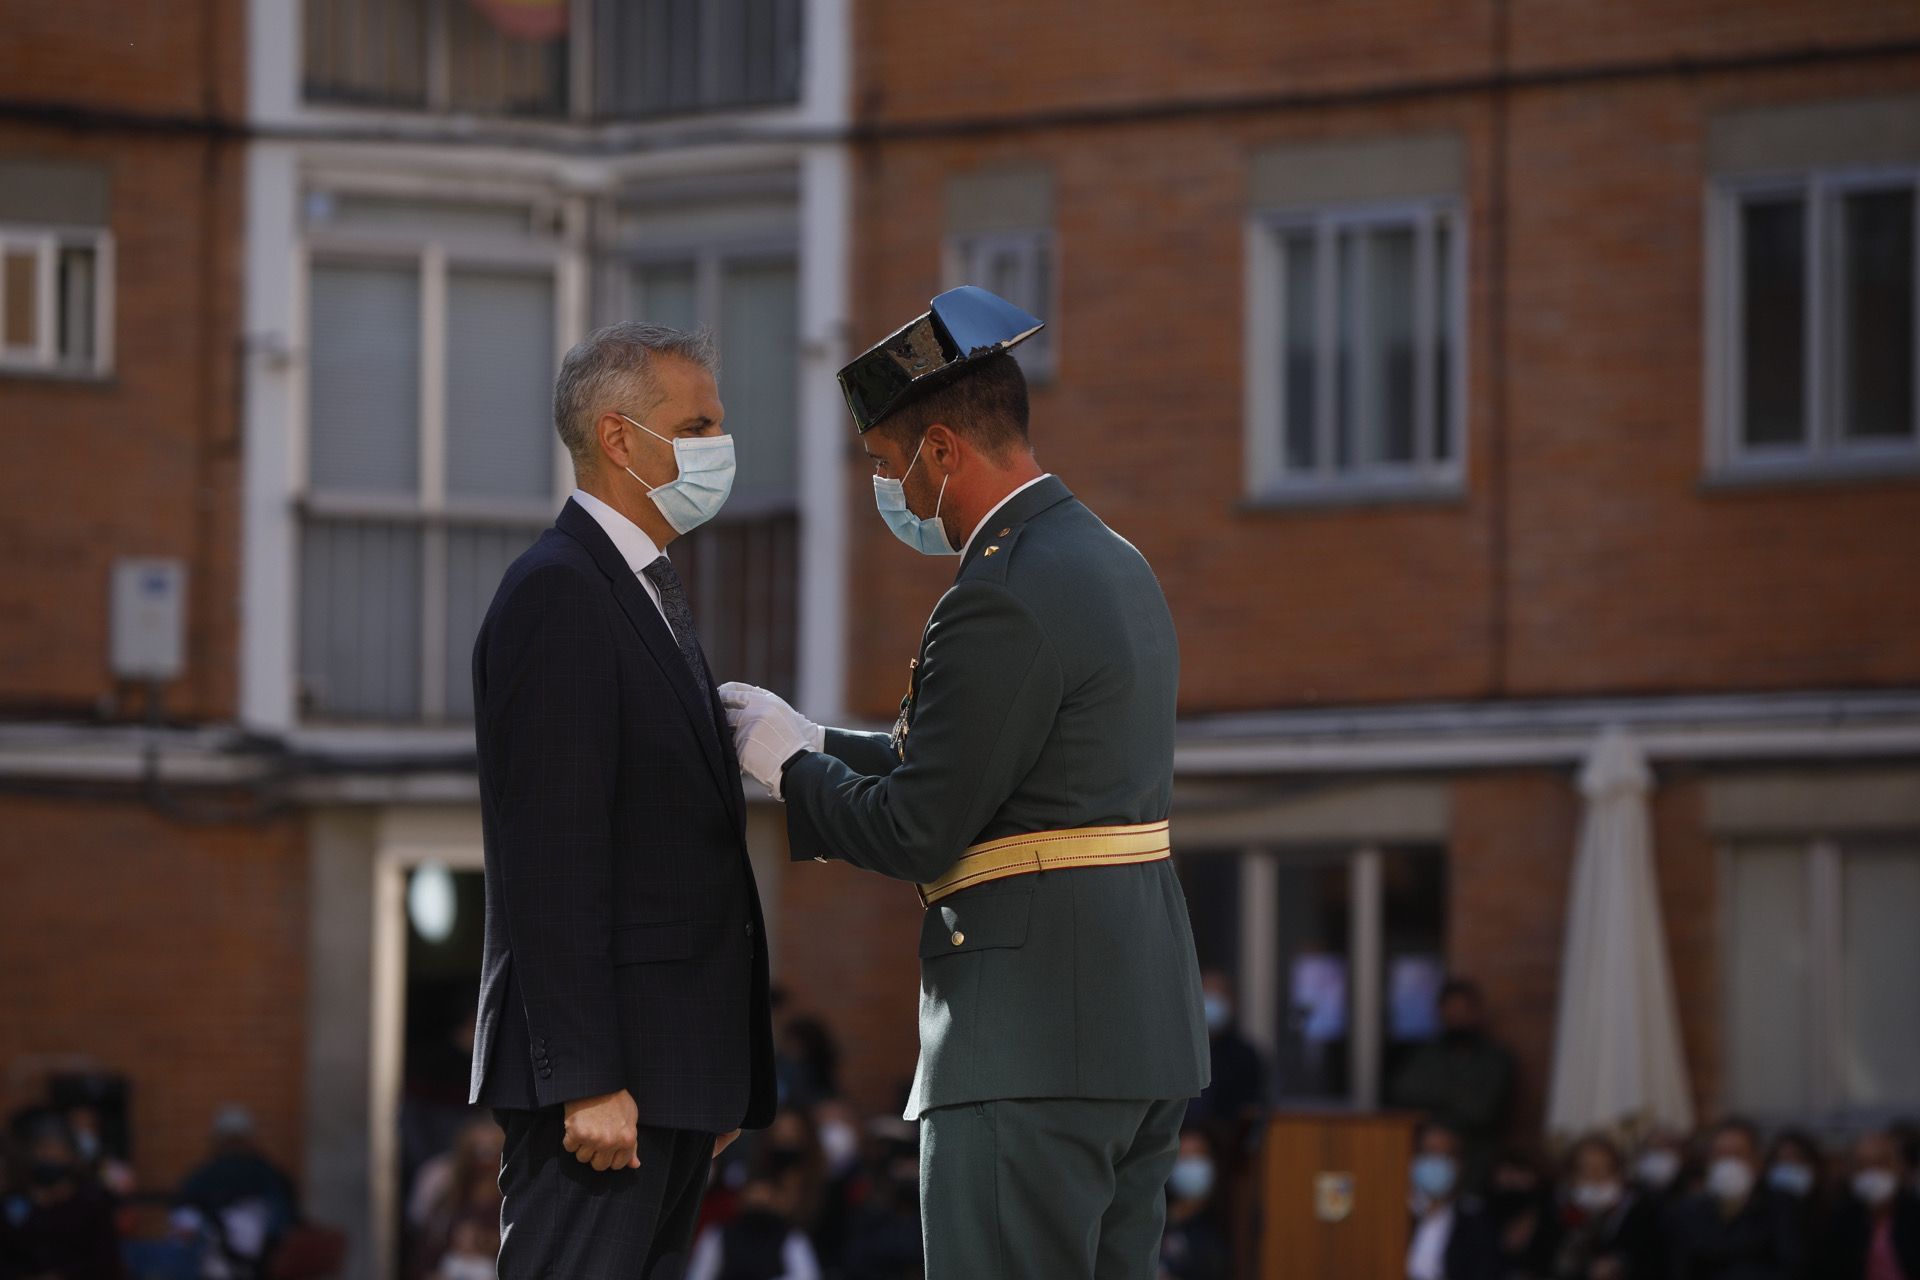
{"x": 495, "y": 57}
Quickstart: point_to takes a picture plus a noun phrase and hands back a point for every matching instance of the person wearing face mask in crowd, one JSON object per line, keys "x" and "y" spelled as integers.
{"x": 1195, "y": 1245}
{"x": 55, "y": 1221}
{"x": 624, "y": 1031}
{"x": 1238, "y": 1093}
{"x": 1453, "y": 1236}
{"x": 1876, "y": 1228}
{"x": 1025, "y": 790}
{"x": 1660, "y": 1170}
{"x": 1611, "y": 1233}
{"x": 1795, "y": 1169}
{"x": 1736, "y": 1227}
{"x": 1464, "y": 1079}
{"x": 837, "y": 1127}
{"x": 1524, "y": 1214}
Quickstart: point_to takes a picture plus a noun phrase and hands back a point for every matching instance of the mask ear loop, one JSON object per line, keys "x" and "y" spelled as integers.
{"x": 657, "y": 436}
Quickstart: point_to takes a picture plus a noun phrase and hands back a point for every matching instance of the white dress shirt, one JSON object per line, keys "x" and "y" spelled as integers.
{"x": 1427, "y": 1255}
{"x": 630, "y": 540}
{"x": 996, "y": 511}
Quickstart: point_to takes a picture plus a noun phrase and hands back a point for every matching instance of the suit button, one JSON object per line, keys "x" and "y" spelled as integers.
{"x": 958, "y": 937}
{"x": 749, "y": 928}
{"x": 546, "y": 1072}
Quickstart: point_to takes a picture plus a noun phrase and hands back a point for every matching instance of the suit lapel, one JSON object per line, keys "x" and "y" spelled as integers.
{"x": 655, "y": 634}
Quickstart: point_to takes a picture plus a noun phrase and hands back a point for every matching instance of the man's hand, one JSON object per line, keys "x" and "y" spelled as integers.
{"x": 767, "y": 732}
{"x": 603, "y": 1131}
{"x": 724, "y": 1141}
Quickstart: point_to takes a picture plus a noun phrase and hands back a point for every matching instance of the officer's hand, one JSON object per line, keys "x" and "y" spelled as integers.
{"x": 604, "y": 1131}
{"x": 767, "y": 732}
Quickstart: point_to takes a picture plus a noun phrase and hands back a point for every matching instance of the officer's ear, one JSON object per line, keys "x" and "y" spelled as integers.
{"x": 943, "y": 448}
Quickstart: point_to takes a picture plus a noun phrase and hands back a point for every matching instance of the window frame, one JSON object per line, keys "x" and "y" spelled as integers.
{"x": 1823, "y": 857}
{"x": 435, "y": 254}
{"x": 1269, "y": 480}
{"x": 1823, "y": 450}
{"x": 709, "y": 258}
{"x": 46, "y": 241}
{"x": 960, "y": 256}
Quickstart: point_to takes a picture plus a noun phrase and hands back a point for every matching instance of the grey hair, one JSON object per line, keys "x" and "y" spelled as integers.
{"x": 611, "y": 371}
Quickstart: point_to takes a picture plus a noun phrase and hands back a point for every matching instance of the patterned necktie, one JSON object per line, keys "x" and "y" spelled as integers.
{"x": 673, "y": 603}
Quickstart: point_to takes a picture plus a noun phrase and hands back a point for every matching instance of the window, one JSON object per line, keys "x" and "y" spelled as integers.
{"x": 430, "y": 452}
{"x": 1336, "y": 955}
{"x": 1000, "y": 237}
{"x": 741, "y": 569}
{"x": 1822, "y": 1014}
{"x": 656, "y": 57}
{"x": 1817, "y": 334}
{"x": 56, "y": 296}
{"x": 1359, "y": 364}
{"x": 1017, "y": 265}
{"x": 524, "y": 57}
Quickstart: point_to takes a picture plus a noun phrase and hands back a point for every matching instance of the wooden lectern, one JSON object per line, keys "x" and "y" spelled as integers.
{"x": 1334, "y": 1195}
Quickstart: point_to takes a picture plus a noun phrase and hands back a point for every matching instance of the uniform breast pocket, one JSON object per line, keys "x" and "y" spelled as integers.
{"x": 967, "y": 923}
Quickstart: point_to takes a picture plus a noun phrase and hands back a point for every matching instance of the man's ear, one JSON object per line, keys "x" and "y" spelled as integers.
{"x": 611, "y": 430}
{"x": 943, "y": 447}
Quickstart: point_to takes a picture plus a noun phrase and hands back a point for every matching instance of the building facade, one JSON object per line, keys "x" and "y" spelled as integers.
{"x": 1475, "y": 378}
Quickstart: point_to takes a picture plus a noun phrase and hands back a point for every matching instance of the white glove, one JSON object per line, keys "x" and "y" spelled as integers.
{"x": 767, "y": 732}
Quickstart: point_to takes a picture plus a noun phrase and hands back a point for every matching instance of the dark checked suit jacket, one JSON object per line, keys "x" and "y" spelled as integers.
{"x": 625, "y": 946}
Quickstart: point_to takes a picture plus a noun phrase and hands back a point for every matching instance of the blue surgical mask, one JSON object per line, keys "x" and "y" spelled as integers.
{"x": 1434, "y": 1175}
{"x": 924, "y": 534}
{"x": 1192, "y": 1178}
{"x": 696, "y": 495}
{"x": 1795, "y": 1180}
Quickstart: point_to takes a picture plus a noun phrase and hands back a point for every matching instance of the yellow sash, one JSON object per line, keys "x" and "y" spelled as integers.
{"x": 1023, "y": 855}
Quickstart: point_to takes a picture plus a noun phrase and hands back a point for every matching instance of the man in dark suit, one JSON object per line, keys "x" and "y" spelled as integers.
{"x": 624, "y": 1035}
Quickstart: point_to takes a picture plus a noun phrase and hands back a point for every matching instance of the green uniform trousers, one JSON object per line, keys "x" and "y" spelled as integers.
{"x": 1046, "y": 1188}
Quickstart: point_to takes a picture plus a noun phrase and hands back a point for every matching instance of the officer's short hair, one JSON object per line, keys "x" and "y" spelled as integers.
{"x": 611, "y": 370}
{"x": 987, "y": 404}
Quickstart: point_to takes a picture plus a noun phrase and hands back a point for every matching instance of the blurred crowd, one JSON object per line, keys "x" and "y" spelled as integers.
{"x": 72, "y": 1208}
{"x": 830, "y": 1193}
{"x": 1728, "y": 1202}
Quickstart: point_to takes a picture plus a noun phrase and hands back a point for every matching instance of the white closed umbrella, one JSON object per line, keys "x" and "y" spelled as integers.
{"x": 1617, "y": 1058}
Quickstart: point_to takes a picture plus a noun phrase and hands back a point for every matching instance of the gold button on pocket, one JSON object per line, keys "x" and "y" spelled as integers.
{"x": 959, "y": 938}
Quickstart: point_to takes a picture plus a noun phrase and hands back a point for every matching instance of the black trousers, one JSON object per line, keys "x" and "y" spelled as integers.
{"x": 560, "y": 1220}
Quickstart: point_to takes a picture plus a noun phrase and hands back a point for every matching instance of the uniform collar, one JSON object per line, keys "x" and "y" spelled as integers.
{"x": 1007, "y": 501}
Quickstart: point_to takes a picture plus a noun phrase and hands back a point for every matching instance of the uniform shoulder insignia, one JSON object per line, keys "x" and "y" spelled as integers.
{"x": 991, "y": 551}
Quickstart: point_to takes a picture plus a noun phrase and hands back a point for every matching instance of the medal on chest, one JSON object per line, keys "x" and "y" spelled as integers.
{"x": 898, "y": 739}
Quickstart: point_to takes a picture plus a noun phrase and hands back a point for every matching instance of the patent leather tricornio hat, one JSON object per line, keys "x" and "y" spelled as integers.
{"x": 959, "y": 326}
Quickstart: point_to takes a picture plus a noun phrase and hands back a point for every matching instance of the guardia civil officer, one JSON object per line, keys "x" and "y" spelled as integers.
{"x": 1024, "y": 790}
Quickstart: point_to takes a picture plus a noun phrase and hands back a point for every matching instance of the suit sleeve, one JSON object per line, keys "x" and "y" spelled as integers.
{"x": 552, "y": 709}
{"x": 868, "y": 753}
{"x": 989, "y": 689}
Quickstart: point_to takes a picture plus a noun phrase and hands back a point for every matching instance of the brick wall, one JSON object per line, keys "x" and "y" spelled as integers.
{"x": 144, "y": 462}
{"x": 176, "y": 59}
{"x": 1511, "y": 860}
{"x": 173, "y": 953}
{"x": 1620, "y": 570}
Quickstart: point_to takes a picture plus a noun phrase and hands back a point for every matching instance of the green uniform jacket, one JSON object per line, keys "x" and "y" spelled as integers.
{"x": 1043, "y": 699}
